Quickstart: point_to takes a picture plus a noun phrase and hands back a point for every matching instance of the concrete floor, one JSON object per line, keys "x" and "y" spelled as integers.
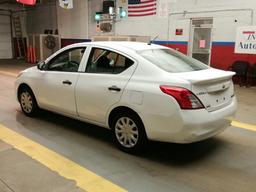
{"x": 225, "y": 163}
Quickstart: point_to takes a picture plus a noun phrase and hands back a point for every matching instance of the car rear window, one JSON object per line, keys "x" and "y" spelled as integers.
{"x": 172, "y": 61}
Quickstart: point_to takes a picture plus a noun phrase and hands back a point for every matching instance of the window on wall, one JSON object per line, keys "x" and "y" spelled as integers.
{"x": 106, "y": 61}
{"x": 67, "y": 61}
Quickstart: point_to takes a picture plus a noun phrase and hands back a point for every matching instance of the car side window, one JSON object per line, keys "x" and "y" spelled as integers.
{"x": 67, "y": 61}
{"x": 106, "y": 61}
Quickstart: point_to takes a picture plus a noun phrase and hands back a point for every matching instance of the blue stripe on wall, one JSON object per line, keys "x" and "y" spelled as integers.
{"x": 223, "y": 43}
{"x": 171, "y": 42}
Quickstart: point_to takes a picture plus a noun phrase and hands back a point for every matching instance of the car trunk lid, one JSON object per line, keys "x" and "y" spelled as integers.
{"x": 213, "y": 87}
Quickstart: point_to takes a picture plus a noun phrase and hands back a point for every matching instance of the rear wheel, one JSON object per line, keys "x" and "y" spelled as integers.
{"x": 129, "y": 132}
{"x": 28, "y": 102}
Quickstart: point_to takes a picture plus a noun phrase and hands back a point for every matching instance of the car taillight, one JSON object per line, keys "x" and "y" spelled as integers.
{"x": 185, "y": 98}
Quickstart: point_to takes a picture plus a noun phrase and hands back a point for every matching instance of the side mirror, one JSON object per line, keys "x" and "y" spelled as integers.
{"x": 40, "y": 65}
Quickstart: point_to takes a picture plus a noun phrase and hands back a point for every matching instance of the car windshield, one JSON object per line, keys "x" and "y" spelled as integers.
{"x": 172, "y": 61}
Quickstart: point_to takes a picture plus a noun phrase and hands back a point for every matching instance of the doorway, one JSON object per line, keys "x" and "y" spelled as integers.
{"x": 201, "y": 39}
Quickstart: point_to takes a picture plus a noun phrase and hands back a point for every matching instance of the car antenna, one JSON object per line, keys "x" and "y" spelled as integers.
{"x": 150, "y": 42}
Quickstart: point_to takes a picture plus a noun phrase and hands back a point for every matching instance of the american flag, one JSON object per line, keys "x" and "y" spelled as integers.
{"x": 140, "y": 8}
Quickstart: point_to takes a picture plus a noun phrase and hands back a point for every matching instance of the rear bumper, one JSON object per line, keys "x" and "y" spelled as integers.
{"x": 190, "y": 125}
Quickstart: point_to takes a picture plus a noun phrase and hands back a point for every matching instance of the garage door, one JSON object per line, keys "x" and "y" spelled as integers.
{"x": 5, "y": 38}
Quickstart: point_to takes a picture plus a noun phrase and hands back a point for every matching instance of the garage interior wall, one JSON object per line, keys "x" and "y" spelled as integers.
{"x": 226, "y": 16}
{"x": 158, "y": 24}
{"x": 5, "y": 36}
{"x": 6, "y": 41}
{"x": 41, "y": 17}
{"x": 73, "y": 23}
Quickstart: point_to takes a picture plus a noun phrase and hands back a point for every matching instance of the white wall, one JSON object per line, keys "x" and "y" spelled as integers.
{"x": 224, "y": 24}
{"x": 227, "y": 16}
{"x": 73, "y": 23}
{"x": 224, "y": 20}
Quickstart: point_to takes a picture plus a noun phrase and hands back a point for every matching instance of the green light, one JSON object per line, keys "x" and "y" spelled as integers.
{"x": 123, "y": 13}
{"x": 97, "y": 16}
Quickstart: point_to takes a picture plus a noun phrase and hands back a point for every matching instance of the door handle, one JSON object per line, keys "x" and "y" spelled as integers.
{"x": 67, "y": 82}
{"x": 114, "y": 88}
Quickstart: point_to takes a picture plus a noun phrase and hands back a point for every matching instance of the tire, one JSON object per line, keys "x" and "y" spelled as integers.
{"x": 128, "y": 132}
{"x": 28, "y": 102}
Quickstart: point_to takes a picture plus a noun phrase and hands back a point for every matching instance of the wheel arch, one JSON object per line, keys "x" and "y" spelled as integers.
{"x": 22, "y": 86}
{"x": 120, "y": 109}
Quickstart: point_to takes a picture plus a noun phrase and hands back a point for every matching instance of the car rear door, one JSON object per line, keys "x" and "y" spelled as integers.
{"x": 101, "y": 86}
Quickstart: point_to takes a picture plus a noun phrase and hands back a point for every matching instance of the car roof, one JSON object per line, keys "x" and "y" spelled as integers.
{"x": 135, "y": 46}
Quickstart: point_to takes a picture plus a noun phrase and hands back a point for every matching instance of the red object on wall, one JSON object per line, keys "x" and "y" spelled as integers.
{"x": 179, "y": 32}
{"x": 27, "y": 2}
{"x": 65, "y": 42}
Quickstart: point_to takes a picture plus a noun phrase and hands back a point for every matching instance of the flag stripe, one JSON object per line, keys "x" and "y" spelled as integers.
{"x": 147, "y": 1}
{"x": 143, "y": 10}
{"x": 141, "y": 6}
{"x": 249, "y": 32}
{"x": 140, "y": 15}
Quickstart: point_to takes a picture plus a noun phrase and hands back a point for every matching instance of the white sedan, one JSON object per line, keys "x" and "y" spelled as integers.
{"x": 140, "y": 91}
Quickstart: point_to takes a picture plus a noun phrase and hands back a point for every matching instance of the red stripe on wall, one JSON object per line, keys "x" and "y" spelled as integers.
{"x": 224, "y": 56}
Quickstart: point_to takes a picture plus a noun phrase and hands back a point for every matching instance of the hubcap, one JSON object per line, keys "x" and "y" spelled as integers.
{"x": 26, "y": 102}
{"x": 126, "y": 132}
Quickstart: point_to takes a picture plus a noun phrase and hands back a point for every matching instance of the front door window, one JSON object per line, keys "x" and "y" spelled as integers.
{"x": 67, "y": 61}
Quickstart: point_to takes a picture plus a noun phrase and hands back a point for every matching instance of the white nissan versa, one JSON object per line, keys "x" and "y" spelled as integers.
{"x": 140, "y": 91}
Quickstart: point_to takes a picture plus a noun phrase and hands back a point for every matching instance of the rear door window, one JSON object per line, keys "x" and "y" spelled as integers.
{"x": 106, "y": 61}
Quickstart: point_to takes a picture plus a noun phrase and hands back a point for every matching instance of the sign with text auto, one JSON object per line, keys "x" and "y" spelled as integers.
{"x": 246, "y": 40}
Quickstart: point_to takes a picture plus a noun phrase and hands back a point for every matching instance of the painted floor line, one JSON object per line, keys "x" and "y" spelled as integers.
{"x": 85, "y": 179}
{"x": 243, "y": 125}
{"x": 8, "y": 73}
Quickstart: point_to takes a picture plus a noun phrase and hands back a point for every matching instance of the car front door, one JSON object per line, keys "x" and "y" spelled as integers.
{"x": 101, "y": 86}
{"x": 56, "y": 85}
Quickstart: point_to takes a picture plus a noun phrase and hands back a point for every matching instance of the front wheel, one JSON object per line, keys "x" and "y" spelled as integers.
{"x": 129, "y": 132}
{"x": 28, "y": 102}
